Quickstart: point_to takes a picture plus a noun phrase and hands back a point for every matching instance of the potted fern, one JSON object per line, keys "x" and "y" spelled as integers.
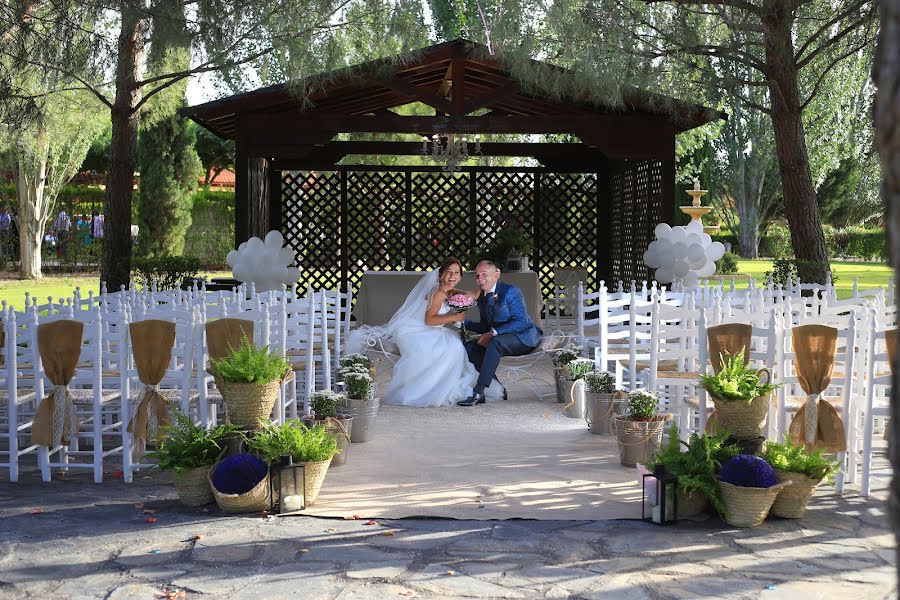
{"x": 313, "y": 447}
{"x": 741, "y": 396}
{"x": 325, "y": 406}
{"x": 805, "y": 469}
{"x": 189, "y": 452}
{"x": 639, "y": 431}
{"x": 574, "y": 387}
{"x": 564, "y": 356}
{"x": 695, "y": 467}
{"x": 601, "y": 402}
{"x": 250, "y": 379}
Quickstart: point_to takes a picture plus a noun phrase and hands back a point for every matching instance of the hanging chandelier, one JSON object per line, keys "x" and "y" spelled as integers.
{"x": 450, "y": 149}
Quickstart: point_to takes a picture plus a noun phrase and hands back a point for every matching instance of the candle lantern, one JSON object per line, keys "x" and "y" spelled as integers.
{"x": 287, "y": 486}
{"x": 659, "y": 502}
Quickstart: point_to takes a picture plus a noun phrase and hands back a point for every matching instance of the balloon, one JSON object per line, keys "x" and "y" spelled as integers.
{"x": 707, "y": 239}
{"x": 680, "y": 268}
{"x": 696, "y": 255}
{"x": 662, "y": 231}
{"x": 694, "y": 238}
{"x": 690, "y": 280}
{"x": 274, "y": 240}
{"x": 707, "y": 270}
{"x": 694, "y": 227}
{"x": 678, "y": 235}
{"x": 664, "y": 275}
{"x": 287, "y": 255}
{"x": 664, "y": 250}
{"x": 679, "y": 250}
{"x": 231, "y": 257}
{"x": 717, "y": 251}
{"x": 652, "y": 260}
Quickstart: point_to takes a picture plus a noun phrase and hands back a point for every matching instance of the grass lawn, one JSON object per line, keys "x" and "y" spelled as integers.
{"x": 62, "y": 286}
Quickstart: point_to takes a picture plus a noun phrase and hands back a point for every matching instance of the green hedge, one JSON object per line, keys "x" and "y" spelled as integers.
{"x": 849, "y": 242}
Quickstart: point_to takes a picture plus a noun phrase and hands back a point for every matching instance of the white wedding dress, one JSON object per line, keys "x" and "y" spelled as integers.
{"x": 433, "y": 368}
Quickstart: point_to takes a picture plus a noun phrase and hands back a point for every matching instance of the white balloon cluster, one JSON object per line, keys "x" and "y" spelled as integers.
{"x": 683, "y": 254}
{"x": 267, "y": 264}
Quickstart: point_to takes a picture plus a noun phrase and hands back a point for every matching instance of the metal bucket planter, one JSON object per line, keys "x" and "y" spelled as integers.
{"x": 364, "y": 413}
{"x": 601, "y": 408}
{"x": 340, "y": 427}
{"x": 573, "y": 392}
{"x": 638, "y": 440}
{"x": 560, "y": 374}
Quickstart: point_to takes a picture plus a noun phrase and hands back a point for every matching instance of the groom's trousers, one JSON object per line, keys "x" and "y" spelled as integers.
{"x": 487, "y": 359}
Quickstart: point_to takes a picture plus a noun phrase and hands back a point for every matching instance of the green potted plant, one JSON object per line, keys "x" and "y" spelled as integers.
{"x": 601, "y": 401}
{"x": 639, "y": 431}
{"x": 190, "y": 452}
{"x": 250, "y": 379}
{"x": 360, "y": 401}
{"x": 564, "y": 356}
{"x": 508, "y": 241}
{"x": 695, "y": 468}
{"x": 313, "y": 447}
{"x": 749, "y": 487}
{"x": 741, "y": 396}
{"x": 358, "y": 360}
{"x": 325, "y": 406}
{"x": 574, "y": 387}
{"x": 805, "y": 469}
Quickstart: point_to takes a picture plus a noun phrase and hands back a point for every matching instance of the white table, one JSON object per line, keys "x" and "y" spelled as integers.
{"x": 381, "y": 293}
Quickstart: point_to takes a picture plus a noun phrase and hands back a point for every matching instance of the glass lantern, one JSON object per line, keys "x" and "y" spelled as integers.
{"x": 288, "y": 485}
{"x": 659, "y": 500}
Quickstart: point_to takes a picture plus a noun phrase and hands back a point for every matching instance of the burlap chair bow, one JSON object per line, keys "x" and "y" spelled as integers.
{"x": 151, "y": 345}
{"x": 890, "y": 341}
{"x": 817, "y": 424}
{"x": 224, "y": 336}
{"x": 730, "y": 338}
{"x": 55, "y": 421}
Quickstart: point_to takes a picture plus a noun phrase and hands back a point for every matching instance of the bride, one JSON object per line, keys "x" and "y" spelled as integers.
{"x": 433, "y": 369}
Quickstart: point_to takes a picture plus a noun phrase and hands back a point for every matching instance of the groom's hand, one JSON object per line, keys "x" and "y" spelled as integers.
{"x": 485, "y": 338}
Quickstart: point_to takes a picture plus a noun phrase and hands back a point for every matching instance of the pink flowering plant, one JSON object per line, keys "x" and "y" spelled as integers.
{"x": 461, "y": 303}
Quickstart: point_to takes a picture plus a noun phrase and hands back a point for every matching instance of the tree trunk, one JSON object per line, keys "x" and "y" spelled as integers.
{"x": 123, "y": 150}
{"x": 807, "y": 237}
{"x": 887, "y": 141}
{"x": 32, "y": 217}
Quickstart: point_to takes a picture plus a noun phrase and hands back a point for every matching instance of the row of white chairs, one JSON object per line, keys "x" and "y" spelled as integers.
{"x": 303, "y": 329}
{"x": 658, "y": 342}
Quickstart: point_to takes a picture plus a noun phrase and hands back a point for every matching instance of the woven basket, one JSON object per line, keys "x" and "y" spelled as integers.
{"x": 248, "y": 404}
{"x": 315, "y": 475}
{"x": 691, "y": 503}
{"x": 792, "y": 500}
{"x": 748, "y": 506}
{"x": 193, "y": 486}
{"x": 744, "y": 420}
{"x": 259, "y": 498}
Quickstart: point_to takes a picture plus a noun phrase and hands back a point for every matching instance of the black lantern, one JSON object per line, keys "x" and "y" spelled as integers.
{"x": 660, "y": 500}
{"x": 287, "y": 486}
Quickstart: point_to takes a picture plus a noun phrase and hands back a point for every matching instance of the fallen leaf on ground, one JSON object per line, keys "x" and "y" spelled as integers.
{"x": 330, "y": 530}
{"x": 405, "y": 593}
{"x": 150, "y": 511}
{"x": 151, "y": 520}
{"x": 37, "y": 511}
{"x": 450, "y": 572}
{"x": 197, "y": 536}
{"x": 303, "y": 550}
{"x": 388, "y": 532}
{"x": 139, "y": 505}
{"x": 116, "y": 474}
{"x": 371, "y": 523}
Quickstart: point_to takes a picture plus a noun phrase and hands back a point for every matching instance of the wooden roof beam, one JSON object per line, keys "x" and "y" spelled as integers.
{"x": 416, "y": 93}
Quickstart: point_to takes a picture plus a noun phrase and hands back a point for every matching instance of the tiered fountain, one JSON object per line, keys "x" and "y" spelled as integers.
{"x": 696, "y": 211}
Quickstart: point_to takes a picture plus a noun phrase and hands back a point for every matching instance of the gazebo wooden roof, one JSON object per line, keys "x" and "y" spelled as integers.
{"x": 627, "y": 146}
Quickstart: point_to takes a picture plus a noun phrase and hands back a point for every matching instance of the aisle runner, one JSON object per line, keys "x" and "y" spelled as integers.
{"x": 504, "y": 460}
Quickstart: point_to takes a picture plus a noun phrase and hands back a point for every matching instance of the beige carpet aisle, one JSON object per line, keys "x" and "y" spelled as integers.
{"x": 502, "y": 460}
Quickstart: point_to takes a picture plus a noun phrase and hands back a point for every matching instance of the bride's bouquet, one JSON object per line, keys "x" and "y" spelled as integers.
{"x": 461, "y": 303}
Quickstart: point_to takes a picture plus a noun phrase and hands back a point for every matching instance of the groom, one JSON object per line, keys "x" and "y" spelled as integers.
{"x": 505, "y": 328}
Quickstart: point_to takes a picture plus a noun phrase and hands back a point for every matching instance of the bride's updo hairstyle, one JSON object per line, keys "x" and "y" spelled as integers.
{"x": 448, "y": 262}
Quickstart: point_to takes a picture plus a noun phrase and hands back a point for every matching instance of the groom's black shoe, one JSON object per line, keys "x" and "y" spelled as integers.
{"x": 472, "y": 400}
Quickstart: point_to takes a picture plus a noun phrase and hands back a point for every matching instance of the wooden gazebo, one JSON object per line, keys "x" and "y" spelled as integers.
{"x": 592, "y": 203}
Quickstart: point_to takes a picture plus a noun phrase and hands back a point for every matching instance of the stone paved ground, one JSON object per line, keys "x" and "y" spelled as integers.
{"x": 73, "y": 539}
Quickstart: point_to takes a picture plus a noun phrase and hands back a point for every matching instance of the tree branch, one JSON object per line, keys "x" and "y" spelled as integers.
{"x": 828, "y": 25}
{"x": 828, "y": 69}
{"x": 837, "y": 38}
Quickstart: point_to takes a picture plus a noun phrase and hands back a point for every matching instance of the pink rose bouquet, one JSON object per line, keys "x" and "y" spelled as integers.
{"x": 461, "y": 303}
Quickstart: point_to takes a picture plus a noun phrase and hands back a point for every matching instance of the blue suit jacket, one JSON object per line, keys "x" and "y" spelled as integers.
{"x": 509, "y": 315}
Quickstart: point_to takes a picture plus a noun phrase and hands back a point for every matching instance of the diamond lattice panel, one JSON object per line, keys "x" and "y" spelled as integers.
{"x": 376, "y": 222}
{"x": 568, "y": 226}
{"x": 636, "y": 206}
{"x": 503, "y": 199}
{"x": 440, "y": 218}
{"x": 311, "y": 225}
